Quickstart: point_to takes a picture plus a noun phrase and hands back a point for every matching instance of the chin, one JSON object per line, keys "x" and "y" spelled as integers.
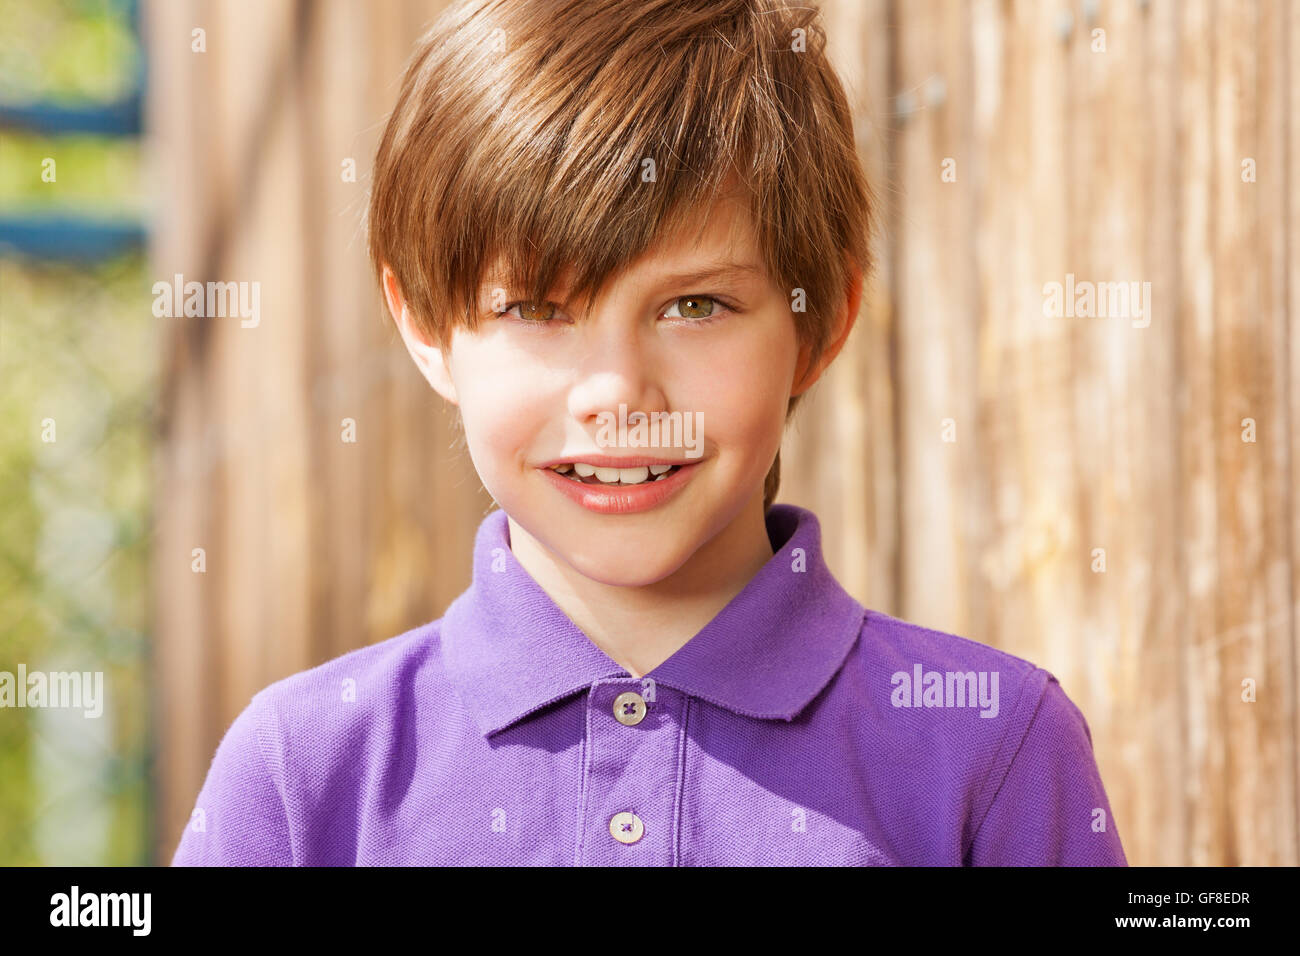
{"x": 617, "y": 567}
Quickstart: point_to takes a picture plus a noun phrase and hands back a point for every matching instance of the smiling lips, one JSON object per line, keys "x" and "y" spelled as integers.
{"x": 617, "y": 486}
{"x": 589, "y": 474}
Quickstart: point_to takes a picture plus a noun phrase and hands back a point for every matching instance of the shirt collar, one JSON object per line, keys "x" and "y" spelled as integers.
{"x": 510, "y": 650}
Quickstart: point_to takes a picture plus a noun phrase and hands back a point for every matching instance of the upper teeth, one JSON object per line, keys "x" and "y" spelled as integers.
{"x": 623, "y": 476}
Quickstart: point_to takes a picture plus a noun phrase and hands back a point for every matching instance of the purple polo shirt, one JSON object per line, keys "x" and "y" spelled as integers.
{"x": 797, "y": 727}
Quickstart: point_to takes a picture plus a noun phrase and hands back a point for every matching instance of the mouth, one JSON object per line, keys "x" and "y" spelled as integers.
{"x": 588, "y": 474}
{"x": 634, "y": 485}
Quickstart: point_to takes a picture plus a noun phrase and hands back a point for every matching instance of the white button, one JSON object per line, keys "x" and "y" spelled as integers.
{"x": 626, "y": 827}
{"x": 629, "y": 708}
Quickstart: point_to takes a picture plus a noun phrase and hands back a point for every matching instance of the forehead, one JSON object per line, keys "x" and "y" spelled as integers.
{"x": 722, "y": 232}
{"x": 701, "y": 242}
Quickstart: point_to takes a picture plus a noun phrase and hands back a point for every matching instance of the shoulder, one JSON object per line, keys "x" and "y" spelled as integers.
{"x": 304, "y": 742}
{"x": 328, "y": 711}
{"x": 1028, "y": 695}
{"x": 372, "y": 667}
{"x": 961, "y": 703}
{"x": 963, "y": 712}
{"x": 902, "y": 643}
{"x": 926, "y": 661}
{"x": 359, "y": 691}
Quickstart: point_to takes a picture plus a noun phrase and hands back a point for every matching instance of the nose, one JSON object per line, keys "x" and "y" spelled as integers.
{"x": 618, "y": 366}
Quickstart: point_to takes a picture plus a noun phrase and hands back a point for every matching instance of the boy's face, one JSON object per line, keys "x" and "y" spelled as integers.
{"x": 537, "y": 381}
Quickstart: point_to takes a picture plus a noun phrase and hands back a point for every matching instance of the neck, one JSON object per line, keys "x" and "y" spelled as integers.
{"x": 641, "y": 627}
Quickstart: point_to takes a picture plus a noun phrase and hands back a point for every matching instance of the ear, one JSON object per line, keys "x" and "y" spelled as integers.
{"x": 429, "y": 358}
{"x": 804, "y": 376}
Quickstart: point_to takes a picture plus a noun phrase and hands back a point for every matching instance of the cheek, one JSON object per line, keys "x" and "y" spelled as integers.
{"x": 748, "y": 393}
{"x": 498, "y": 406}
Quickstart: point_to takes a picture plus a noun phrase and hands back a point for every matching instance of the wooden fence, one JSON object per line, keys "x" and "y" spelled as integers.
{"x": 975, "y": 462}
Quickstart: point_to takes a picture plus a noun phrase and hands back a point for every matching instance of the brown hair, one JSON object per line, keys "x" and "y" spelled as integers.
{"x": 523, "y": 128}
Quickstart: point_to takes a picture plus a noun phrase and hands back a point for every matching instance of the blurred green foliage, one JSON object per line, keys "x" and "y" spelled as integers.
{"x": 66, "y": 50}
{"x": 94, "y": 176}
{"x": 77, "y": 352}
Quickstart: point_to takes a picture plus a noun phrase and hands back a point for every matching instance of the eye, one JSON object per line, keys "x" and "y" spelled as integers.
{"x": 694, "y": 307}
{"x": 539, "y": 312}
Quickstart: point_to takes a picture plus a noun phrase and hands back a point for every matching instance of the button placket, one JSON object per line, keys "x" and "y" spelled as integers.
{"x": 632, "y": 775}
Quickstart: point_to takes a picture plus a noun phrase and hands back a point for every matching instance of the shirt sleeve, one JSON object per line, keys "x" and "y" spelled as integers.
{"x": 239, "y": 818}
{"x": 1050, "y": 808}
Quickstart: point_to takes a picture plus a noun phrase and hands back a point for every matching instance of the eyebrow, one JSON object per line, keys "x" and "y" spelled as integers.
{"x": 720, "y": 270}
{"x": 708, "y": 273}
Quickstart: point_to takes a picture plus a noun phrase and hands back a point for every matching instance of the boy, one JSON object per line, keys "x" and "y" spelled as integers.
{"x": 623, "y": 237}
